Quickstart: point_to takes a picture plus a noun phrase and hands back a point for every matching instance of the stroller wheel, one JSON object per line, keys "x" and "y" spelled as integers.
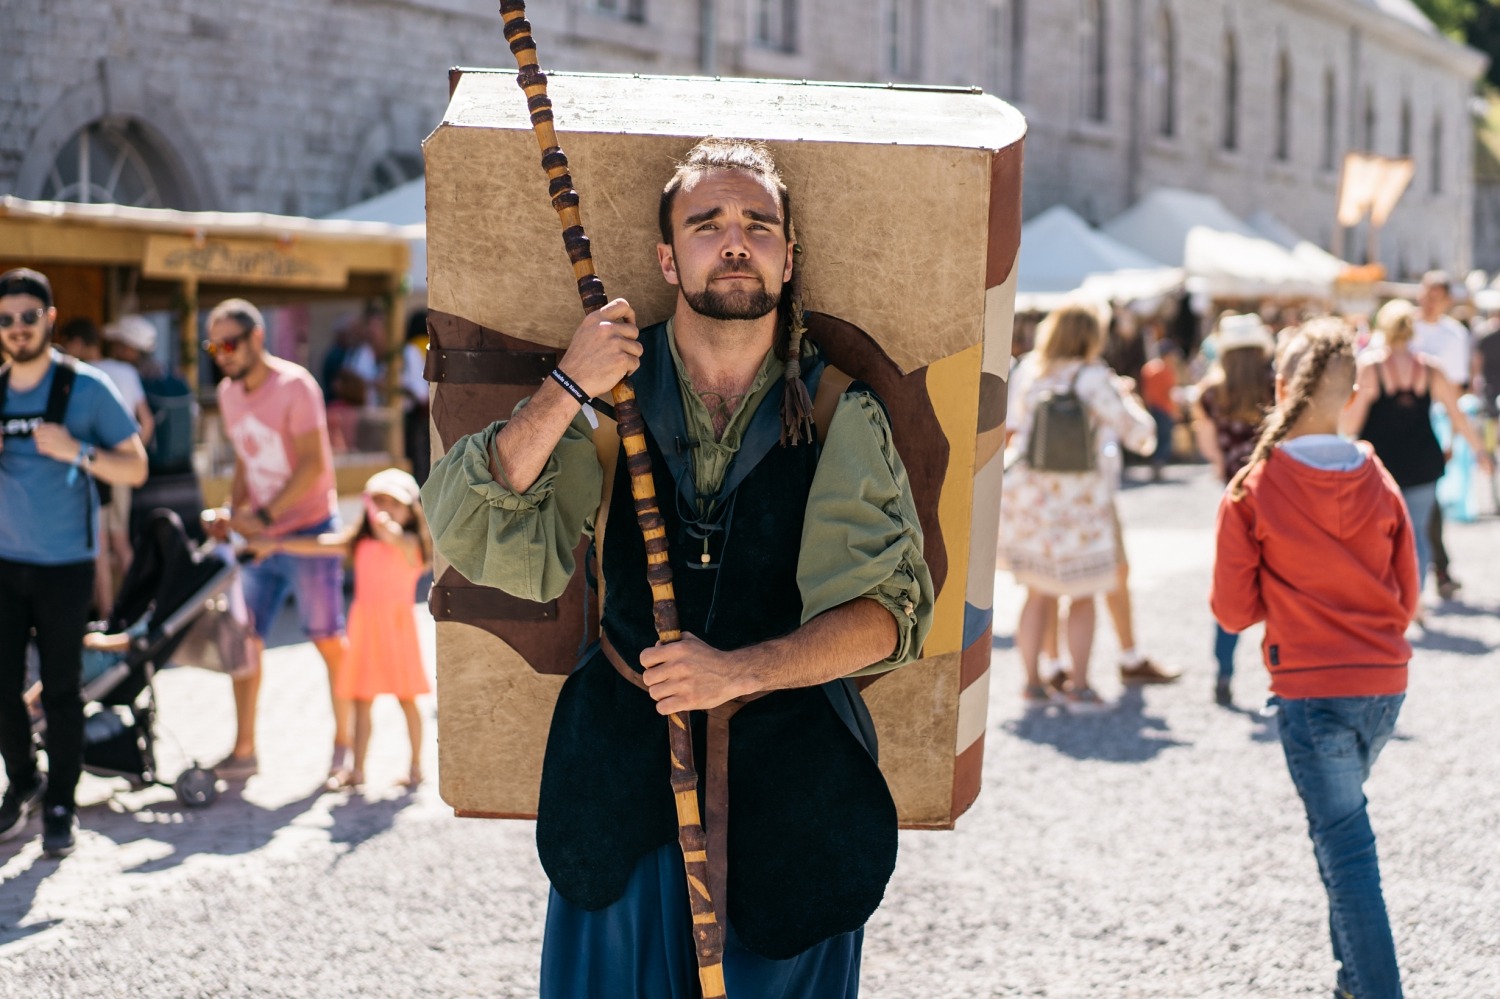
{"x": 196, "y": 787}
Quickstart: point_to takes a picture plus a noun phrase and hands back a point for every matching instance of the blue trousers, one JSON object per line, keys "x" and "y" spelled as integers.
{"x": 1224, "y": 646}
{"x": 1330, "y": 744}
{"x": 641, "y": 947}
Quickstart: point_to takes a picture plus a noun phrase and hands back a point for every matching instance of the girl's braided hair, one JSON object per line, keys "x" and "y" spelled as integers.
{"x": 1302, "y": 361}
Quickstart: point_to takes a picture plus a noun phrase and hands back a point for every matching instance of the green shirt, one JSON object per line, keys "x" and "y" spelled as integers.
{"x": 860, "y": 535}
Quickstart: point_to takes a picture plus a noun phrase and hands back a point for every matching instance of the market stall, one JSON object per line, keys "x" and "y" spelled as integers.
{"x": 105, "y": 260}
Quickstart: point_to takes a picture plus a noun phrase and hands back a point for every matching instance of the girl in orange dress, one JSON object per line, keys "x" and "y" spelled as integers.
{"x": 391, "y": 549}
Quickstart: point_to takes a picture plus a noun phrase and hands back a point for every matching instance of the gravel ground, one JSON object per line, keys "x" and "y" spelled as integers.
{"x": 1156, "y": 851}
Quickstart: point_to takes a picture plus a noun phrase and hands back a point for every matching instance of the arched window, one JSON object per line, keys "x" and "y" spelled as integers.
{"x": 1369, "y": 121}
{"x": 1437, "y": 155}
{"x": 1094, "y": 43}
{"x": 1230, "y": 138}
{"x": 1164, "y": 75}
{"x": 389, "y": 172}
{"x": 1284, "y": 107}
{"x": 1404, "y": 144}
{"x": 111, "y": 163}
{"x": 1330, "y": 120}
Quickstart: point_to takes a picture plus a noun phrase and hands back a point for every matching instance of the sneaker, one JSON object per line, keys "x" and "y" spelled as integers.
{"x": 1222, "y": 697}
{"x": 234, "y": 767}
{"x": 17, "y": 806}
{"x": 1085, "y": 701}
{"x": 1448, "y": 587}
{"x": 59, "y": 824}
{"x": 1147, "y": 671}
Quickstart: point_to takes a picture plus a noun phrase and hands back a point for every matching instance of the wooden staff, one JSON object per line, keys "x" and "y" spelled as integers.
{"x": 708, "y": 935}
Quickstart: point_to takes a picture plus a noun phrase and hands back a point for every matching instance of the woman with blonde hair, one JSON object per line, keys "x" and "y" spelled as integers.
{"x": 1057, "y": 532}
{"x": 1229, "y": 407}
{"x": 1392, "y": 409}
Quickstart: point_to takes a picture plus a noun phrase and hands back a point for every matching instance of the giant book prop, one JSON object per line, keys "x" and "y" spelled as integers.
{"x": 908, "y": 204}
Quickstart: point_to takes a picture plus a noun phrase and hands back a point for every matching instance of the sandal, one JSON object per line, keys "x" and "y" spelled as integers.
{"x": 1036, "y": 695}
{"x": 1085, "y": 701}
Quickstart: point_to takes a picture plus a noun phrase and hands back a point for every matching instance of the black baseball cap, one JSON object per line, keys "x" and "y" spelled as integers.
{"x": 25, "y": 281}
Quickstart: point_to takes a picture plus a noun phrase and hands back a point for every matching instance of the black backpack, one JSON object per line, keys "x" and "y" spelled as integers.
{"x": 170, "y": 451}
{"x": 57, "y": 399}
{"x": 1062, "y": 437}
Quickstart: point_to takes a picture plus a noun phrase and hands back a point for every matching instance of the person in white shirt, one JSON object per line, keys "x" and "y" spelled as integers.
{"x": 126, "y": 340}
{"x": 1448, "y": 342}
{"x": 1439, "y": 335}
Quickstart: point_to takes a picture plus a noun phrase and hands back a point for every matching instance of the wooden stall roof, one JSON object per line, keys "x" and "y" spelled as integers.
{"x": 117, "y": 234}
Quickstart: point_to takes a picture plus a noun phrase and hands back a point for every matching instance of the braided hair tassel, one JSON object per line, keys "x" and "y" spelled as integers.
{"x": 796, "y": 407}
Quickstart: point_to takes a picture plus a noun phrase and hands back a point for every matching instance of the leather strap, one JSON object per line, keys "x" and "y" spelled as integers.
{"x": 831, "y": 388}
{"x": 715, "y": 780}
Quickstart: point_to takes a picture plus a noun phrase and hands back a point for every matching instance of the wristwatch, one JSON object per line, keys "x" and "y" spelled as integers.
{"x": 263, "y": 516}
{"x": 86, "y": 455}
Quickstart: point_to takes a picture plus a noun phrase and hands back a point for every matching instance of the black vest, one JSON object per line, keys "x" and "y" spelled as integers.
{"x": 812, "y": 828}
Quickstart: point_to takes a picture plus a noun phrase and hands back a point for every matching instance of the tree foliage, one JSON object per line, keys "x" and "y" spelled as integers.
{"x": 1474, "y": 22}
{"x": 1452, "y": 16}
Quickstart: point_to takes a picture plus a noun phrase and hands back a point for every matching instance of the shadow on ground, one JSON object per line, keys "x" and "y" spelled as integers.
{"x": 1126, "y": 733}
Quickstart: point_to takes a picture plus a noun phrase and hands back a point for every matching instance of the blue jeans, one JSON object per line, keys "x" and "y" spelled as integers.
{"x": 1224, "y": 646}
{"x": 1164, "y": 425}
{"x": 1330, "y": 745}
{"x": 1420, "y": 501}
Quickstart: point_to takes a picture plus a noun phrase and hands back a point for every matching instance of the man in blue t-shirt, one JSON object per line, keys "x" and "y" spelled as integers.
{"x": 51, "y": 444}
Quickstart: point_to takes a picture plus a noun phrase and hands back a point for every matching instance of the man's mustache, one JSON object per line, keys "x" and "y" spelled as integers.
{"x": 733, "y": 270}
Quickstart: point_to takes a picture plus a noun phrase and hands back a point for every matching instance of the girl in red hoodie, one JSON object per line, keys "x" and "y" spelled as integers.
{"x": 1314, "y": 540}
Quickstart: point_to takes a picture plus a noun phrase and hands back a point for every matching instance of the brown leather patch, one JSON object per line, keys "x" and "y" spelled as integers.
{"x": 915, "y": 428}
{"x": 1005, "y": 214}
{"x": 993, "y": 393}
{"x": 548, "y": 636}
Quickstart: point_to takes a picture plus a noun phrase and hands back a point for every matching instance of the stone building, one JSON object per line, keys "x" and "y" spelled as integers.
{"x": 303, "y": 106}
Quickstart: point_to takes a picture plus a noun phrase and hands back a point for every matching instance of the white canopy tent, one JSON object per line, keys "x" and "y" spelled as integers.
{"x": 1319, "y": 262}
{"x": 1222, "y": 254}
{"x": 404, "y": 206}
{"x": 1062, "y": 254}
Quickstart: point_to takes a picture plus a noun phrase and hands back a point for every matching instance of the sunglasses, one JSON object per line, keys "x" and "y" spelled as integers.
{"x": 228, "y": 345}
{"x": 28, "y": 318}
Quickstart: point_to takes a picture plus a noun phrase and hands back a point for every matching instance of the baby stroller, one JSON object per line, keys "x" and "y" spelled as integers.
{"x": 173, "y": 598}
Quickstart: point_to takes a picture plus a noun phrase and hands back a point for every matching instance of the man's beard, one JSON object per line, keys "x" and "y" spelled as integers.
{"x": 24, "y": 354}
{"x": 731, "y": 305}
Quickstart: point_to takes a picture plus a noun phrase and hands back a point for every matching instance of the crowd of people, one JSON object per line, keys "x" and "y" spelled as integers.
{"x": 1323, "y": 434}
{"x": 1060, "y": 532}
{"x": 87, "y": 416}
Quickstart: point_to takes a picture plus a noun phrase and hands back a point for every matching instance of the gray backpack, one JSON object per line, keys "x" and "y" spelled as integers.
{"x": 1062, "y": 438}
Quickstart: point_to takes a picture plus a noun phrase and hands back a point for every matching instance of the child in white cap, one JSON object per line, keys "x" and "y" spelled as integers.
{"x": 391, "y": 549}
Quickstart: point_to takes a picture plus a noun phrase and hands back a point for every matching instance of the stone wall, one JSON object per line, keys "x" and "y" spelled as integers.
{"x": 294, "y": 105}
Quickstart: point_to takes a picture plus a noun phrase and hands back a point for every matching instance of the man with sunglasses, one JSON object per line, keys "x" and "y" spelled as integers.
{"x": 63, "y": 423}
{"x": 283, "y": 486}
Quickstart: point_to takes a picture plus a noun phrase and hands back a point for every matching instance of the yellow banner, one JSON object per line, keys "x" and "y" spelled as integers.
{"x": 241, "y": 261}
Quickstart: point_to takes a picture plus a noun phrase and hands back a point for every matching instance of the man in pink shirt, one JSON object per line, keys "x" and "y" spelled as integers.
{"x": 283, "y": 486}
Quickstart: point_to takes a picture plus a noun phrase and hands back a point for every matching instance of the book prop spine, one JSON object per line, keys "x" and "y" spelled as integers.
{"x": 708, "y": 935}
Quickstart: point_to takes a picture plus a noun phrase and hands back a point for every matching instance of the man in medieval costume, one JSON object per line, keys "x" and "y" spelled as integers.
{"x": 797, "y": 560}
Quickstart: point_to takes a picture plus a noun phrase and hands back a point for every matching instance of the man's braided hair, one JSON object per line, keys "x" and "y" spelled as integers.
{"x": 1303, "y": 361}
